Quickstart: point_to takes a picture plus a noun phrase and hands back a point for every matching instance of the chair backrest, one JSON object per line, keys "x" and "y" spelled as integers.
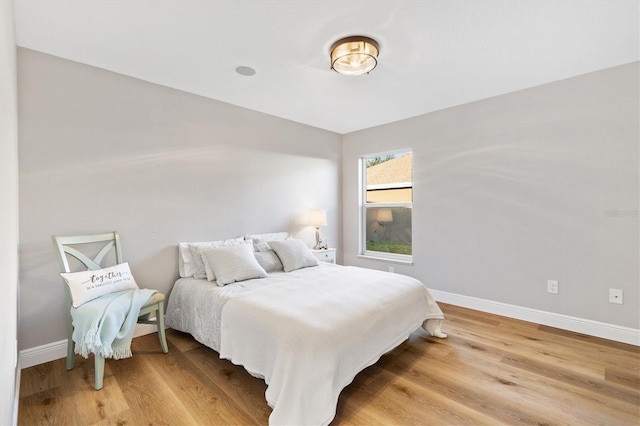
{"x": 70, "y": 246}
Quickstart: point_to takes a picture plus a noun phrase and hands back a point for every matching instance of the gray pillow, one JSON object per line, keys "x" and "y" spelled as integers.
{"x": 269, "y": 260}
{"x": 294, "y": 254}
{"x": 233, "y": 263}
{"x": 197, "y": 263}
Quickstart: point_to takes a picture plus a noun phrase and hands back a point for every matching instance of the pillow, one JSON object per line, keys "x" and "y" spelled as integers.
{"x": 85, "y": 286}
{"x": 259, "y": 239}
{"x": 193, "y": 264}
{"x": 294, "y": 254}
{"x": 269, "y": 261}
{"x": 185, "y": 261}
{"x": 267, "y": 258}
{"x": 262, "y": 247}
{"x": 233, "y": 263}
{"x": 186, "y": 266}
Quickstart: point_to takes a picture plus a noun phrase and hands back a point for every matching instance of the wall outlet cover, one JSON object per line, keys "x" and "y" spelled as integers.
{"x": 615, "y": 296}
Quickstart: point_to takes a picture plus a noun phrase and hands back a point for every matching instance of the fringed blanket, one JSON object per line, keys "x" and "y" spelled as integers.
{"x": 105, "y": 325}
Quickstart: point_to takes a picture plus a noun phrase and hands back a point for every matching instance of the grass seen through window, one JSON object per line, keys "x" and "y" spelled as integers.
{"x": 389, "y": 247}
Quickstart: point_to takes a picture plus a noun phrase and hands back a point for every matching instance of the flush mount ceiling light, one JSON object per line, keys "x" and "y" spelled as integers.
{"x": 354, "y": 55}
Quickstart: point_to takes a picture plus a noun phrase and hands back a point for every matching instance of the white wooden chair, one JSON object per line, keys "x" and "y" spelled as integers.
{"x": 72, "y": 246}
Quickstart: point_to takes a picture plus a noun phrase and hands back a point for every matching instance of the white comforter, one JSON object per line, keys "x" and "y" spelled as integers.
{"x": 309, "y": 338}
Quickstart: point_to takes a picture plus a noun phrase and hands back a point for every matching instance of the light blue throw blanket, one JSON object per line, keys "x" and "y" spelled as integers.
{"x": 105, "y": 325}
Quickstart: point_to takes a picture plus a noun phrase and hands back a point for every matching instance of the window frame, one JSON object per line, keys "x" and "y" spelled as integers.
{"x": 363, "y": 205}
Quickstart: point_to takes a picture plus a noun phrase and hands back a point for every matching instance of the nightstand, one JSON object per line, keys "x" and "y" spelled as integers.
{"x": 328, "y": 255}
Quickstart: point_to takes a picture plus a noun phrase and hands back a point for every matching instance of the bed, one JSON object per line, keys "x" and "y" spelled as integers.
{"x": 307, "y": 332}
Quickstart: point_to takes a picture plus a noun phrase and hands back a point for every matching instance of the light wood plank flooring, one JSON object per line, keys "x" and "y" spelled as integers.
{"x": 491, "y": 370}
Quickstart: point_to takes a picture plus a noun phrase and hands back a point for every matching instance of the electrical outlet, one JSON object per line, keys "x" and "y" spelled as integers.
{"x": 392, "y": 269}
{"x": 552, "y": 286}
{"x": 615, "y": 296}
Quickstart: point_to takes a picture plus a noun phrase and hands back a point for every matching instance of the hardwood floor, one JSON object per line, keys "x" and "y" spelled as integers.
{"x": 490, "y": 370}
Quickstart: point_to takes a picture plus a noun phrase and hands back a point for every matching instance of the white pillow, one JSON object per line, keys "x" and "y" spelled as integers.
{"x": 186, "y": 266}
{"x": 259, "y": 239}
{"x": 233, "y": 263}
{"x": 294, "y": 254}
{"x": 193, "y": 264}
{"x": 269, "y": 261}
{"x": 88, "y": 285}
{"x": 185, "y": 261}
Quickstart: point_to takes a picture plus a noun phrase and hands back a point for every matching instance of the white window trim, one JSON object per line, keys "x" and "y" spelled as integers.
{"x": 363, "y": 253}
{"x": 390, "y": 186}
{"x": 387, "y": 257}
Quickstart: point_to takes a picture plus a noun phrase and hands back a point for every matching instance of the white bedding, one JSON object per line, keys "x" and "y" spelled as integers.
{"x": 307, "y": 332}
{"x": 195, "y": 305}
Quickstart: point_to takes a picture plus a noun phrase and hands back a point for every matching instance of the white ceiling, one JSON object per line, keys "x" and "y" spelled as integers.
{"x": 434, "y": 54}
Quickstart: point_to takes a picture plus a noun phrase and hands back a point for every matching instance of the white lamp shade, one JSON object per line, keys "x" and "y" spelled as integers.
{"x": 318, "y": 217}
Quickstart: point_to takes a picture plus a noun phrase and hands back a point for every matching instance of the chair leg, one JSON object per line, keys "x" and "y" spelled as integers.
{"x": 70, "y": 355}
{"x": 160, "y": 323}
{"x": 70, "y": 347}
{"x": 99, "y": 366}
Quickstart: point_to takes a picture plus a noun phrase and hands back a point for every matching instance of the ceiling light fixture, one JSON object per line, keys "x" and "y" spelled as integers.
{"x": 354, "y": 55}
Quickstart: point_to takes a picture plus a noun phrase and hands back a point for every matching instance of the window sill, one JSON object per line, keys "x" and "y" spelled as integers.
{"x": 386, "y": 259}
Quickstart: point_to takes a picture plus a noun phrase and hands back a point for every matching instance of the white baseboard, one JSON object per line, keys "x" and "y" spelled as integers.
{"x": 143, "y": 329}
{"x": 45, "y": 353}
{"x": 56, "y": 350}
{"x": 565, "y": 322}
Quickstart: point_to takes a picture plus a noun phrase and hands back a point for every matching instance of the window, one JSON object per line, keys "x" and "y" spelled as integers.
{"x": 387, "y": 201}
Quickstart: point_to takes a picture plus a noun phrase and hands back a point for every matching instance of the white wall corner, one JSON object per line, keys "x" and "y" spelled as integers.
{"x": 579, "y": 325}
{"x": 16, "y": 399}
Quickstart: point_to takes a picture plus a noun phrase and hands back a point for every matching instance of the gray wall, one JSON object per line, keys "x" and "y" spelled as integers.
{"x": 100, "y": 151}
{"x": 514, "y": 190}
{"x": 8, "y": 214}
{"x": 509, "y": 191}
